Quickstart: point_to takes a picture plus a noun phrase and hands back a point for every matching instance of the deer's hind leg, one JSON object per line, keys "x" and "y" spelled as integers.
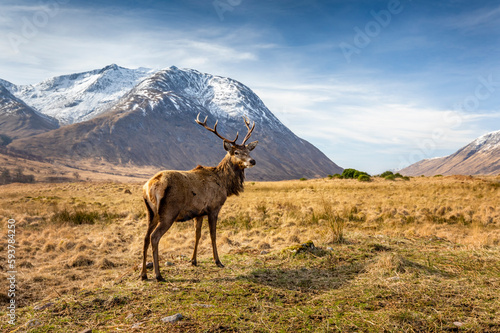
{"x": 166, "y": 219}
{"x": 199, "y": 222}
{"x": 152, "y": 222}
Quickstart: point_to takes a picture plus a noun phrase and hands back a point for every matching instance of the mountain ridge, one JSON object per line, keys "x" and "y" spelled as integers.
{"x": 80, "y": 96}
{"x": 153, "y": 125}
{"x": 18, "y": 120}
{"x": 479, "y": 157}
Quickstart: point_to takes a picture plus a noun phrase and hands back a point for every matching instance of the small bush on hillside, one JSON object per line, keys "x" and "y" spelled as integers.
{"x": 389, "y": 175}
{"x": 350, "y": 173}
{"x": 385, "y": 174}
{"x": 364, "y": 178}
{"x": 355, "y": 174}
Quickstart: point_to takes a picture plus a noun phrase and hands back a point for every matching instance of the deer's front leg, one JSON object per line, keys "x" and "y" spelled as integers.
{"x": 212, "y": 224}
{"x": 199, "y": 222}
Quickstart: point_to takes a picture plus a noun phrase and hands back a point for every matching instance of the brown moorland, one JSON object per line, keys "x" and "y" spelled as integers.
{"x": 305, "y": 256}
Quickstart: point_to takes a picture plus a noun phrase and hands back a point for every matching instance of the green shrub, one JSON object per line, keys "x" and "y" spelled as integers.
{"x": 303, "y": 179}
{"x": 390, "y": 177}
{"x": 349, "y": 173}
{"x": 364, "y": 178}
{"x": 390, "y": 173}
{"x": 387, "y": 173}
{"x": 353, "y": 174}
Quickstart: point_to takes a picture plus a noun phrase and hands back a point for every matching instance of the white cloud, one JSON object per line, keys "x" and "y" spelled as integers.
{"x": 78, "y": 39}
{"x": 370, "y": 125}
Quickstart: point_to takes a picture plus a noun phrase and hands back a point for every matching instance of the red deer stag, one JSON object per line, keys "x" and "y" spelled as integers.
{"x": 177, "y": 196}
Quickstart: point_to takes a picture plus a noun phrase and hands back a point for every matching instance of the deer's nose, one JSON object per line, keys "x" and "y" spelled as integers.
{"x": 252, "y": 162}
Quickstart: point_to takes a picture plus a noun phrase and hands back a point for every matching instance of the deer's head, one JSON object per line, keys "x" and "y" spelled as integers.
{"x": 239, "y": 154}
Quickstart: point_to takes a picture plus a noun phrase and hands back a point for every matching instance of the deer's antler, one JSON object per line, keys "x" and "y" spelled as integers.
{"x": 250, "y": 130}
{"x": 214, "y": 130}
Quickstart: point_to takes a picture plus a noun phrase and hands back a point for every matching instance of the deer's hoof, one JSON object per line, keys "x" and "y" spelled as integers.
{"x": 194, "y": 262}
{"x": 219, "y": 264}
{"x": 144, "y": 277}
{"x": 160, "y": 279}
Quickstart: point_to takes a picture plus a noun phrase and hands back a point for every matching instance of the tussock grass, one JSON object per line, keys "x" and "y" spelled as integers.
{"x": 400, "y": 256}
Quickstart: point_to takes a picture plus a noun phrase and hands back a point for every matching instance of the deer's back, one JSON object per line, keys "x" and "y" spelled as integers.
{"x": 198, "y": 190}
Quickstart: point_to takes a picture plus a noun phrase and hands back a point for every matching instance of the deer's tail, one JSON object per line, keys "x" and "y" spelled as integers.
{"x": 150, "y": 213}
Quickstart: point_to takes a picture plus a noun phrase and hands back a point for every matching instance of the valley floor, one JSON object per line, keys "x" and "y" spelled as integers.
{"x": 400, "y": 256}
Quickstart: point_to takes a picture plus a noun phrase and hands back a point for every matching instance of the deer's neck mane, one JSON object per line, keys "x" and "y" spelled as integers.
{"x": 231, "y": 175}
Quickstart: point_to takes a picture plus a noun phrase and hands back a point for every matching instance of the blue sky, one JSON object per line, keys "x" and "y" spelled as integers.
{"x": 376, "y": 85}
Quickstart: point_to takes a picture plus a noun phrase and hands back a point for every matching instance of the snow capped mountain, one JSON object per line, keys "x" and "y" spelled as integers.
{"x": 486, "y": 142}
{"x": 81, "y": 96}
{"x": 10, "y": 87}
{"x": 8, "y": 103}
{"x": 222, "y": 97}
{"x": 481, "y": 156}
{"x": 153, "y": 125}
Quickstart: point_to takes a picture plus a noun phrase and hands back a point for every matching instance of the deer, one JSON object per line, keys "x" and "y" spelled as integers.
{"x": 177, "y": 196}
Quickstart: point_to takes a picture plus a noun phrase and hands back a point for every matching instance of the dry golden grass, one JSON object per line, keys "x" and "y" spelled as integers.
{"x": 85, "y": 236}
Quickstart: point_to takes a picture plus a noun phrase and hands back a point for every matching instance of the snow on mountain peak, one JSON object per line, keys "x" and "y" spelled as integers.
{"x": 223, "y": 97}
{"x": 8, "y": 103}
{"x": 81, "y": 96}
{"x": 487, "y": 141}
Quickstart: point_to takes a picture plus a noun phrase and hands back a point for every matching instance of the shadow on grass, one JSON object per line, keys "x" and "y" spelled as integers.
{"x": 333, "y": 271}
{"x": 314, "y": 279}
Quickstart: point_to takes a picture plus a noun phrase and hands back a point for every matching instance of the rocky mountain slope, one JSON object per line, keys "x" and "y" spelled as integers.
{"x": 480, "y": 157}
{"x": 153, "y": 125}
{"x": 18, "y": 120}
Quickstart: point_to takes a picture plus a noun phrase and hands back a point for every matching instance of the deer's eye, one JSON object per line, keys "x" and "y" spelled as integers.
{"x": 236, "y": 153}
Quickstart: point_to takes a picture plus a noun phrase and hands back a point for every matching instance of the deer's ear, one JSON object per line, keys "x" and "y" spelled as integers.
{"x": 227, "y": 146}
{"x": 251, "y": 146}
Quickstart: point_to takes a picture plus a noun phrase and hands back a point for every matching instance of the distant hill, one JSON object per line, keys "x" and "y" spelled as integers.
{"x": 153, "y": 125}
{"x": 480, "y": 157}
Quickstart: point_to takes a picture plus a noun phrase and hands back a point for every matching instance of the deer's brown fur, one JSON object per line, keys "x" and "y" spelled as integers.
{"x": 176, "y": 196}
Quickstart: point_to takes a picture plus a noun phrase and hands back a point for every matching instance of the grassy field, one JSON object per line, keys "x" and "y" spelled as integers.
{"x": 301, "y": 256}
